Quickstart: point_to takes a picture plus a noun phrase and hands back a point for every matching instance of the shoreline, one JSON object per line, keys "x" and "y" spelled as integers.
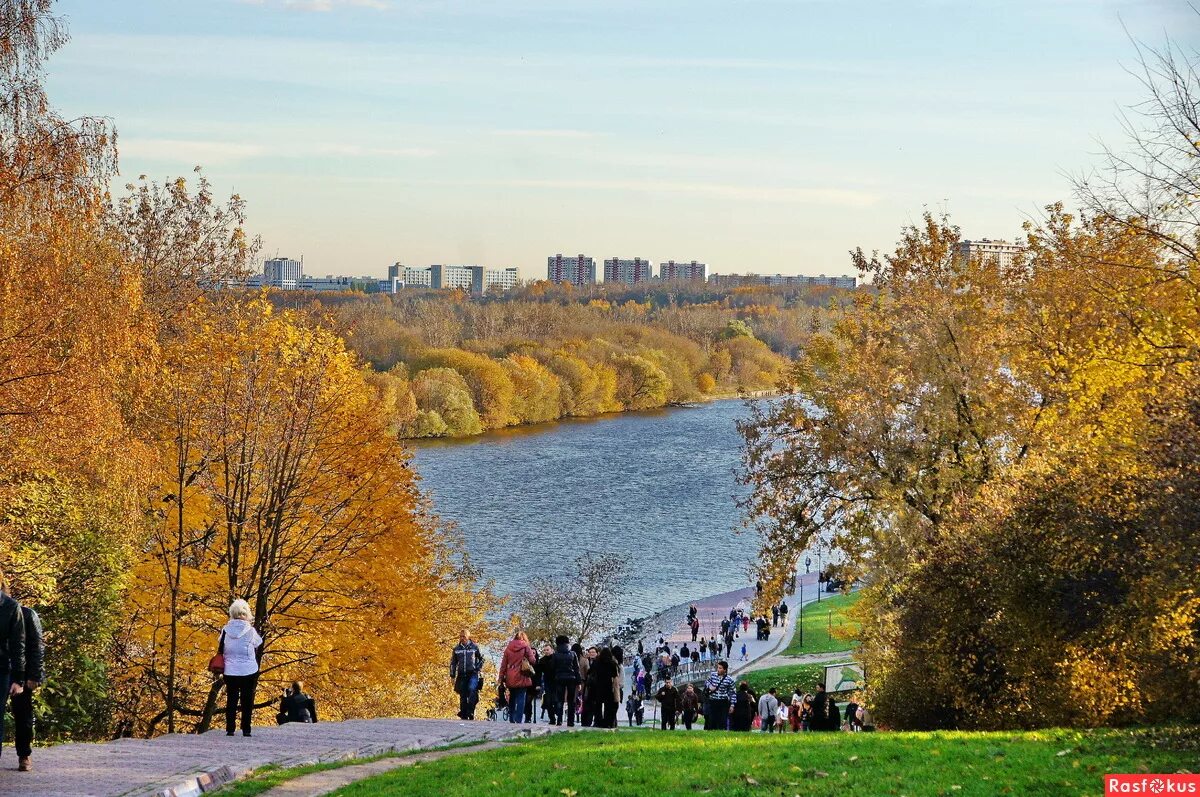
{"x": 538, "y": 428}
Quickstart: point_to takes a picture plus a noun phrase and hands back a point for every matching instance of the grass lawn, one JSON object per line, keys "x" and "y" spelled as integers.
{"x": 785, "y": 679}
{"x": 818, "y": 618}
{"x": 1055, "y": 762}
{"x": 268, "y": 777}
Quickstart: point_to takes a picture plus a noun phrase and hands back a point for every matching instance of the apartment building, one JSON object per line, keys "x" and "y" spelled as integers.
{"x": 677, "y": 270}
{"x": 629, "y": 272}
{"x": 579, "y": 270}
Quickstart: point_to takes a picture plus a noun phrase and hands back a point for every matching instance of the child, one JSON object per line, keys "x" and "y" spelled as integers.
{"x": 744, "y": 652}
{"x": 781, "y": 719}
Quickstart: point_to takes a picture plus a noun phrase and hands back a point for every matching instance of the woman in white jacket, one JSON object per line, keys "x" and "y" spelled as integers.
{"x": 241, "y": 645}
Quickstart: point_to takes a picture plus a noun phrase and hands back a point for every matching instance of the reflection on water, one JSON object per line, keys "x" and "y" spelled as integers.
{"x": 658, "y": 485}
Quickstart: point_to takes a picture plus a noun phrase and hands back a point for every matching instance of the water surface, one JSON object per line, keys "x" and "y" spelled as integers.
{"x": 656, "y": 485}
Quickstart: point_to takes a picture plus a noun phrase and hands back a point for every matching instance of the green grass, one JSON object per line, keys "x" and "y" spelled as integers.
{"x": 819, "y": 618}
{"x": 587, "y": 764}
{"x": 268, "y": 777}
{"x": 786, "y": 679}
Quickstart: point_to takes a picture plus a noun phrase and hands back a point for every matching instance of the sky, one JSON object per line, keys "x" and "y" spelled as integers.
{"x": 754, "y": 135}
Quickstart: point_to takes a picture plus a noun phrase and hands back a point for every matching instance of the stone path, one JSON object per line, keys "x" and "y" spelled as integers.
{"x": 182, "y": 765}
{"x": 712, "y": 609}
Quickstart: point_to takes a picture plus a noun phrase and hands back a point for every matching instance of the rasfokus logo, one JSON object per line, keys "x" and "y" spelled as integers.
{"x": 1179, "y": 783}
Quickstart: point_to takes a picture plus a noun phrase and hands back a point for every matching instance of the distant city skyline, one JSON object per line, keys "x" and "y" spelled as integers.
{"x": 763, "y": 136}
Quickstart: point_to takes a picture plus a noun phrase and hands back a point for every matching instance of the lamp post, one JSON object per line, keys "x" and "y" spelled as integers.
{"x": 800, "y": 627}
{"x": 819, "y": 572}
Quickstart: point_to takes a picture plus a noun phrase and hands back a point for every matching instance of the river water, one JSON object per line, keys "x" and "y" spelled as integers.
{"x": 657, "y": 485}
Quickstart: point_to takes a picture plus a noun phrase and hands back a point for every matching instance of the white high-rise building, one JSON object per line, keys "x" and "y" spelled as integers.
{"x": 579, "y": 270}
{"x": 504, "y": 279}
{"x": 414, "y": 277}
{"x": 630, "y": 272}
{"x": 1001, "y": 252}
{"x": 672, "y": 270}
{"x": 283, "y": 273}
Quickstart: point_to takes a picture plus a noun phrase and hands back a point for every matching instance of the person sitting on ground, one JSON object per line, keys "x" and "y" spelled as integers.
{"x": 296, "y": 706}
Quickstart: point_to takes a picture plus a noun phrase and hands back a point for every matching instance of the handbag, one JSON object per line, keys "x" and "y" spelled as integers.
{"x": 527, "y": 668}
{"x": 216, "y": 665}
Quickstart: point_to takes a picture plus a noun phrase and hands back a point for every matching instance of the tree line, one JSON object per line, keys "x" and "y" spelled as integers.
{"x": 165, "y": 449}
{"x": 1006, "y": 455}
{"x": 451, "y": 366}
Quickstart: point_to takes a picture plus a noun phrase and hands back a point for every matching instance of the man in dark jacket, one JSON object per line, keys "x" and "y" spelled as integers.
{"x": 565, "y": 671}
{"x": 12, "y": 650}
{"x": 35, "y": 674}
{"x": 297, "y": 706}
{"x": 668, "y": 703}
{"x": 820, "y": 709}
{"x": 466, "y": 665}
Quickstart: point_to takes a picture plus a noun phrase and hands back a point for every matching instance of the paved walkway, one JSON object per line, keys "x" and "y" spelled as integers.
{"x": 182, "y": 765}
{"x": 711, "y": 611}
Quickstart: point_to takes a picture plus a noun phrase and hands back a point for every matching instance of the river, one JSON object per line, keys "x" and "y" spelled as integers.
{"x": 656, "y": 485}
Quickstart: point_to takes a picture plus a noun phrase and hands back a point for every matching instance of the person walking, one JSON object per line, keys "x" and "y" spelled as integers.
{"x": 689, "y": 706}
{"x": 744, "y": 655}
{"x": 565, "y": 666}
{"x": 545, "y": 679}
{"x": 12, "y": 652}
{"x": 668, "y": 704}
{"x": 820, "y": 709}
{"x": 297, "y": 706}
{"x": 783, "y": 612}
{"x": 634, "y": 709}
{"x": 721, "y": 698}
{"x": 516, "y": 671}
{"x": 466, "y": 668}
{"x": 588, "y": 699}
{"x": 768, "y": 707}
{"x": 35, "y": 674}
{"x": 695, "y": 627}
{"x": 744, "y": 710}
{"x": 703, "y": 649}
{"x": 774, "y": 615}
{"x": 604, "y": 673}
{"x": 242, "y": 647}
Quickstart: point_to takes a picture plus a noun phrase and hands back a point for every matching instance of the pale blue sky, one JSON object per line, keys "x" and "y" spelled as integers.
{"x": 764, "y": 135}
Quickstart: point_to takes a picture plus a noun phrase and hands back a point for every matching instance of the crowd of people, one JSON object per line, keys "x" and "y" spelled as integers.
{"x": 566, "y": 684}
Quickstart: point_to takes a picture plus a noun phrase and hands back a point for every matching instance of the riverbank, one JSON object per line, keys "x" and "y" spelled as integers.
{"x": 521, "y": 430}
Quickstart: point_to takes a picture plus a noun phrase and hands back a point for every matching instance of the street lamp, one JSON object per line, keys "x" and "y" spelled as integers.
{"x": 801, "y": 626}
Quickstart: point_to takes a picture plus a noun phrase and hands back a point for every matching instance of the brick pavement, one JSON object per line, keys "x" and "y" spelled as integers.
{"x": 182, "y": 765}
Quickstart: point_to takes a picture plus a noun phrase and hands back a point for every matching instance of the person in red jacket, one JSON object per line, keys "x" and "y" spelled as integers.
{"x": 516, "y": 670}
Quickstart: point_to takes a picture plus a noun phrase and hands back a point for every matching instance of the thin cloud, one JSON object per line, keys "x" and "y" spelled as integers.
{"x": 320, "y": 6}
{"x": 219, "y": 152}
{"x": 842, "y": 197}
{"x": 547, "y": 133}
